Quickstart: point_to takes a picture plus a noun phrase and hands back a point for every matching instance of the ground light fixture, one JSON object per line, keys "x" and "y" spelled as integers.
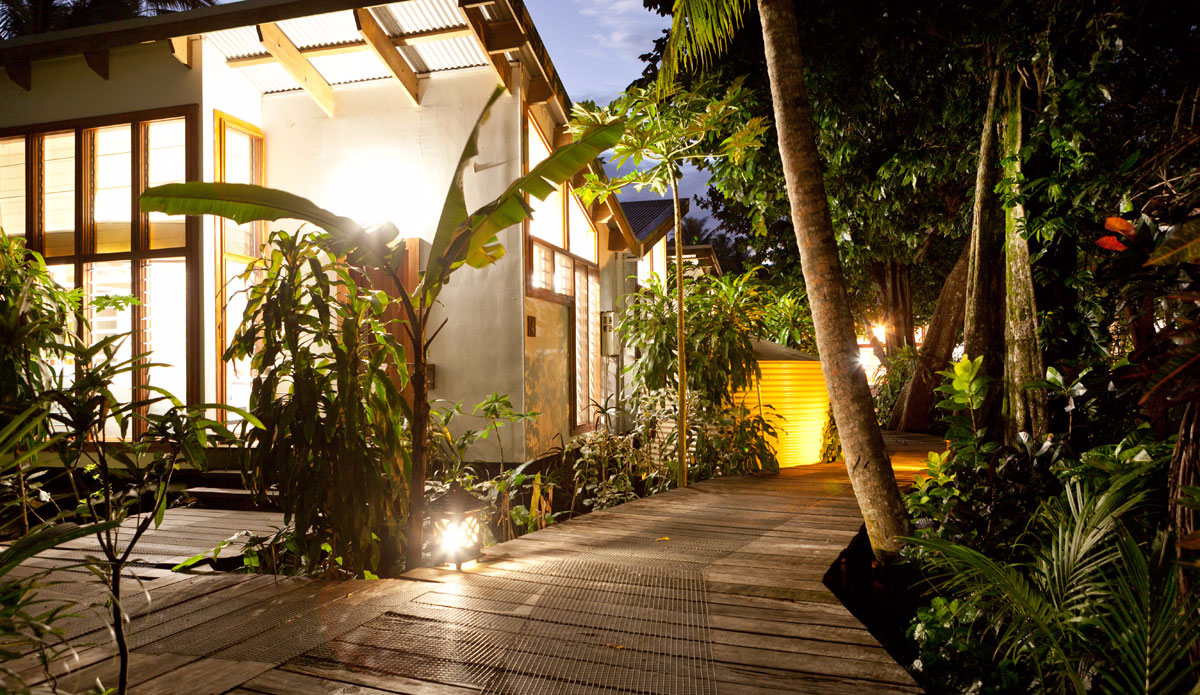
{"x": 457, "y": 526}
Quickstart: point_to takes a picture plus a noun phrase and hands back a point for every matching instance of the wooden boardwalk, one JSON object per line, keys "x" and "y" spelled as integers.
{"x": 712, "y": 589}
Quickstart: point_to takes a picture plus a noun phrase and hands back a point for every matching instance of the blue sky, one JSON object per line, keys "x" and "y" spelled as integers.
{"x": 595, "y": 46}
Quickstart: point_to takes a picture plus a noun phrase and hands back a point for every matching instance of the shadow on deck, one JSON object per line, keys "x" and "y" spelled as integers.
{"x": 712, "y": 589}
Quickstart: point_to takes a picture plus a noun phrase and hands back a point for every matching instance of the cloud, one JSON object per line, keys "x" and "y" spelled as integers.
{"x": 626, "y": 28}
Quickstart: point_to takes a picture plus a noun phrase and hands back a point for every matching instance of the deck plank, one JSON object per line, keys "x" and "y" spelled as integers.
{"x": 711, "y": 590}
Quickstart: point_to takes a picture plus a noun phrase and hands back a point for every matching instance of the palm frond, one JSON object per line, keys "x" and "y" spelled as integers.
{"x": 1149, "y": 626}
{"x": 700, "y": 31}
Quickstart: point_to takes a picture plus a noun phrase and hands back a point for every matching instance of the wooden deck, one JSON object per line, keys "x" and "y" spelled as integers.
{"x": 712, "y": 589}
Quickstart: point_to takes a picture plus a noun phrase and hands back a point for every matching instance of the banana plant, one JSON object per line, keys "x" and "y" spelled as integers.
{"x": 461, "y": 238}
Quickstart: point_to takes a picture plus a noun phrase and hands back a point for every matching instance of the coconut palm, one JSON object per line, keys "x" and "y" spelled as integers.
{"x": 700, "y": 30}
{"x": 25, "y": 17}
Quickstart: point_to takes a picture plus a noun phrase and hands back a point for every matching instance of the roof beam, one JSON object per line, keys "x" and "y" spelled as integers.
{"x": 501, "y": 37}
{"x": 98, "y": 62}
{"x": 538, "y": 91}
{"x": 181, "y": 48}
{"x": 413, "y": 39}
{"x": 281, "y": 47}
{"x": 21, "y": 73}
{"x": 475, "y": 19}
{"x": 383, "y": 47}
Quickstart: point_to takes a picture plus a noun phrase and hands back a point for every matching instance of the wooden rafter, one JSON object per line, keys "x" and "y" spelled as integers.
{"x": 413, "y": 39}
{"x": 383, "y": 47}
{"x": 181, "y": 48}
{"x": 20, "y": 73}
{"x": 501, "y": 37}
{"x": 281, "y": 47}
{"x": 98, "y": 62}
{"x": 538, "y": 91}
{"x": 478, "y": 23}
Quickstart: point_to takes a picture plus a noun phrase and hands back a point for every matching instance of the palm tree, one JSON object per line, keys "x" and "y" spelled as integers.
{"x": 700, "y": 30}
{"x": 25, "y": 17}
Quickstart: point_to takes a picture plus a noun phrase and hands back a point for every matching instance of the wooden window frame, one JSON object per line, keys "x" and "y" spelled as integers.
{"x": 140, "y": 251}
{"x": 569, "y": 301}
{"x": 221, "y": 123}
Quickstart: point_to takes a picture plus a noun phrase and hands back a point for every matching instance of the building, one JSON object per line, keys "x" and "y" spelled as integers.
{"x": 364, "y": 111}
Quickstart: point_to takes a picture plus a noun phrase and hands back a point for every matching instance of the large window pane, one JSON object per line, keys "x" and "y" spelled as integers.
{"x": 547, "y": 221}
{"x": 166, "y": 161}
{"x": 240, "y": 168}
{"x": 12, "y": 186}
{"x": 164, "y": 326}
{"x": 583, "y": 235}
{"x": 64, "y": 368}
{"x": 105, "y": 280}
{"x": 58, "y": 194}
{"x": 112, "y": 204}
{"x": 238, "y": 376}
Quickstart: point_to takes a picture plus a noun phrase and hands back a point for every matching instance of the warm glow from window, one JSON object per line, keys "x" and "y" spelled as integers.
{"x": 583, "y": 234}
{"x": 164, "y": 325}
{"x": 58, "y": 194}
{"x": 547, "y": 222}
{"x": 12, "y": 186}
{"x": 108, "y": 279}
{"x": 167, "y": 156}
{"x": 112, "y": 203}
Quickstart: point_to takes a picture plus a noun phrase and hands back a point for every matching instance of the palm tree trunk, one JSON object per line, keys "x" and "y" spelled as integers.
{"x": 866, "y": 456}
{"x": 681, "y": 423}
{"x": 1022, "y": 354}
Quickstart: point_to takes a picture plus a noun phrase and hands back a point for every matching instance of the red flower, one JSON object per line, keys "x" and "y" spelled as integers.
{"x": 1111, "y": 243}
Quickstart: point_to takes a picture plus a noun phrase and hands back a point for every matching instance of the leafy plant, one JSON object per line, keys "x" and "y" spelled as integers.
{"x": 34, "y": 312}
{"x": 1087, "y": 606}
{"x": 461, "y": 238}
{"x": 330, "y": 442}
{"x": 28, "y": 621}
{"x": 900, "y": 367}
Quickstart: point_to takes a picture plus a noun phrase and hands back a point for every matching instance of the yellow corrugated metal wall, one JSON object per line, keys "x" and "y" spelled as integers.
{"x": 795, "y": 390}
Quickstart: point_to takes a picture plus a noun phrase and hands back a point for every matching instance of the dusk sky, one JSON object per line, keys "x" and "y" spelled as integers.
{"x": 595, "y": 46}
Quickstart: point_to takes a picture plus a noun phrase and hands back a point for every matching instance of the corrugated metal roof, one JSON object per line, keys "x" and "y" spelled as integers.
{"x": 338, "y": 28}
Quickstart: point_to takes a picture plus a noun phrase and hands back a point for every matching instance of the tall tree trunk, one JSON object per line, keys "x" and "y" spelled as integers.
{"x": 911, "y": 413}
{"x": 983, "y": 322}
{"x": 681, "y": 422}
{"x": 892, "y": 280}
{"x": 1022, "y": 354}
{"x": 866, "y": 455}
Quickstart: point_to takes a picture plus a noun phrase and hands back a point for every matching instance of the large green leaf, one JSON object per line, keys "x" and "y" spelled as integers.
{"x": 1180, "y": 246}
{"x": 44, "y": 538}
{"x": 472, "y": 240}
{"x": 241, "y": 203}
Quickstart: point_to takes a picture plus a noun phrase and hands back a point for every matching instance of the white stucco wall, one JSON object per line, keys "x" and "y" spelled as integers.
{"x": 381, "y": 158}
{"x": 141, "y": 77}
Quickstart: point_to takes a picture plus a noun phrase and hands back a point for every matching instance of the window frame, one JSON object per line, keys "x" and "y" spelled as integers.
{"x": 222, "y": 122}
{"x": 139, "y": 253}
{"x": 567, "y": 192}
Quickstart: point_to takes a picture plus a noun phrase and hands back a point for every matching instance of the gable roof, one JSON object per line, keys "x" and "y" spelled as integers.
{"x": 650, "y": 220}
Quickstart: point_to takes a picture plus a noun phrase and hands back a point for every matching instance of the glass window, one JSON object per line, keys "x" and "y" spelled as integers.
{"x": 583, "y": 234}
{"x": 588, "y": 365}
{"x": 58, "y": 194}
{"x": 112, "y": 186}
{"x": 238, "y": 375}
{"x": 240, "y": 161}
{"x": 166, "y": 163}
{"x": 113, "y": 278}
{"x": 547, "y": 221}
{"x": 12, "y": 186}
{"x": 114, "y": 154}
{"x": 164, "y": 326}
